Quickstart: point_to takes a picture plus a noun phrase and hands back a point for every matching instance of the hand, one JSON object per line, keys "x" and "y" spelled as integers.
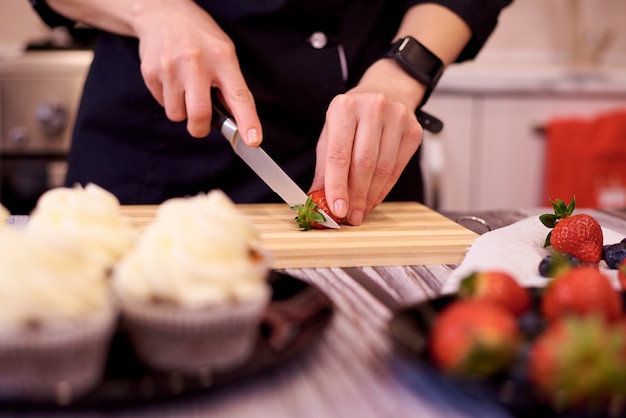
{"x": 367, "y": 141}
{"x": 184, "y": 53}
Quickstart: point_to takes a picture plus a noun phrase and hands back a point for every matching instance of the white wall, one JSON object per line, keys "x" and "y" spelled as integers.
{"x": 540, "y": 30}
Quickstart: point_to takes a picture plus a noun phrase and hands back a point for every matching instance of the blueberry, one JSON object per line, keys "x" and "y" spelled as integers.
{"x": 614, "y": 254}
{"x": 552, "y": 265}
{"x": 531, "y": 324}
{"x": 545, "y": 266}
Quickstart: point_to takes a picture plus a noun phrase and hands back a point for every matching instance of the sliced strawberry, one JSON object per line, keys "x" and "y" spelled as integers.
{"x": 308, "y": 216}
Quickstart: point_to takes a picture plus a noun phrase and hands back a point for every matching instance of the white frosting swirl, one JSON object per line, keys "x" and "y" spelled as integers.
{"x": 90, "y": 216}
{"x": 47, "y": 284}
{"x": 198, "y": 251}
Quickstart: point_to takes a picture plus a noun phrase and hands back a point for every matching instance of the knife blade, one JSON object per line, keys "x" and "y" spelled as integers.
{"x": 263, "y": 165}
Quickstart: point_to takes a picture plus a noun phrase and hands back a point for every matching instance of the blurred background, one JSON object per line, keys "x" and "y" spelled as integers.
{"x": 552, "y": 68}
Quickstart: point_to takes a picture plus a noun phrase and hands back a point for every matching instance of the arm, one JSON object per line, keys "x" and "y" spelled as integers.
{"x": 371, "y": 132}
{"x": 183, "y": 54}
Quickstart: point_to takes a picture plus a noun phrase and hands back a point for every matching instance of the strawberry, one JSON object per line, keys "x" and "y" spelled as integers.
{"x": 473, "y": 338}
{"x": 496, "y": 287}
{"x": 578, "y": 361}
{"x": 581, "y": 290}
{"x": 308, "y": 216}
{"x": 578, "y": 235}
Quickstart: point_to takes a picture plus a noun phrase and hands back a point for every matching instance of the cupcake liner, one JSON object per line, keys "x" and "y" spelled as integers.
{"x": 194, "y": 341}
{"x": 54, "y": 365}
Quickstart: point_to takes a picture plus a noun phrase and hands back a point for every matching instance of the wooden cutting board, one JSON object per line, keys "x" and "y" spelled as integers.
{"x": 395, "y": 233}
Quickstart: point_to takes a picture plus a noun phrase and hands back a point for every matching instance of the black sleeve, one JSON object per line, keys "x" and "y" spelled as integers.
{"x": 49, "y": 16}
{"x": 480, "y": 15}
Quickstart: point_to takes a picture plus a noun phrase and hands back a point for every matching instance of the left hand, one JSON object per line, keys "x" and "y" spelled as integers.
{"x": 369, "y": 137}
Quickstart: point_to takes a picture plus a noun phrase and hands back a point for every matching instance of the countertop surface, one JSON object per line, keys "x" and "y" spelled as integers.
{"x": 492, "y": 78}
{"x": 353, "y": 370}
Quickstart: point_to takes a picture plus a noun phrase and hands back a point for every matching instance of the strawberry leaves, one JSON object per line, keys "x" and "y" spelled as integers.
{"x": 307, "y": 216}
{"x": 311, "y": 213}
{"x": 561, "y": 210}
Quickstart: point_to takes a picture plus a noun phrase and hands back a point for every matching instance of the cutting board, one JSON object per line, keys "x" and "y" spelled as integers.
{"x": 395, "y": 233}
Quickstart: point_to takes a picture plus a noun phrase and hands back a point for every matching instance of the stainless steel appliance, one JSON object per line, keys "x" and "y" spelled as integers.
{"x": 39, "y": 96}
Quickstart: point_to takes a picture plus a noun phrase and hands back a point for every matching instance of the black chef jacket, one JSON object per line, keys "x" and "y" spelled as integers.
{"x": 123, "y": 141}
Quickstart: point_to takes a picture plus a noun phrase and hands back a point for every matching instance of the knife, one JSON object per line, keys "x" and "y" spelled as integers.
{"x": 262, "y": 164}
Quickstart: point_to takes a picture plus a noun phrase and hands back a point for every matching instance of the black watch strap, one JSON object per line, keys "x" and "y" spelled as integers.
{"x": 424, "y": 66}
{"x": 429, "y": 122}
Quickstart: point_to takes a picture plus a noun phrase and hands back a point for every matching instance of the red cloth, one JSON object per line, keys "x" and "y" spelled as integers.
{"x": 586, "y": 158}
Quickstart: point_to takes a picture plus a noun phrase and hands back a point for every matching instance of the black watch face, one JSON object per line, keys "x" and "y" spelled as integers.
{"x": 421, "y": 59}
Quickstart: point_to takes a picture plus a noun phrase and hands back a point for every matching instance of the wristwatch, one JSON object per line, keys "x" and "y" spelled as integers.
{"x": 424, "y": 66}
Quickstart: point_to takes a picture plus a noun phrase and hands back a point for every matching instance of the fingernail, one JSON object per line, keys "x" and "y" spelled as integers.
{"x": 252, "y": 137}
{"x": 356, "y": 217}
{"x": 341, "y": 208}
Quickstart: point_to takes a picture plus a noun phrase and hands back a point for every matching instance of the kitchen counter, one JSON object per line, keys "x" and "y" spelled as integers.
{"x": 494, "y": 78}
{"x": 354, "y": 369}
{"x": 55, "y": 63}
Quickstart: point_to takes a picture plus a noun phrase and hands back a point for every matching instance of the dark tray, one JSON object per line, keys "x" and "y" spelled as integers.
{"x": 293, "y": 321}
{"x": 410, "y": 329}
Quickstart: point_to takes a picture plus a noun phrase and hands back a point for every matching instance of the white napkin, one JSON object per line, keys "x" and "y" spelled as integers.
{"x": 516, "y": 249}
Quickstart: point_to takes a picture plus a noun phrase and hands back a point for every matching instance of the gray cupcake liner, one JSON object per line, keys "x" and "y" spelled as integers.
{"x": 194, "y": 341}
{"x": 55, "y": 365}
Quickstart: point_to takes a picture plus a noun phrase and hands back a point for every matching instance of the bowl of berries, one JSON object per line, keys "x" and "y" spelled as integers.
{"x": 558, "y": 349}
{"x": 541, "y": 352}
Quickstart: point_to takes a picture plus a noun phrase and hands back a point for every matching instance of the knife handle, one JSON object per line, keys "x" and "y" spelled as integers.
{"x": 221, "y": 121}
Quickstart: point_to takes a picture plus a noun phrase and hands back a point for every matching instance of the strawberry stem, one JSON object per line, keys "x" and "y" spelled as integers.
{"x": 561, "y": 210}
{"x": 307, "y": 214}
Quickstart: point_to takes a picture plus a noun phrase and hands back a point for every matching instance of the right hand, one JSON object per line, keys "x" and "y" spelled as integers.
{"x": 184, "y": 53}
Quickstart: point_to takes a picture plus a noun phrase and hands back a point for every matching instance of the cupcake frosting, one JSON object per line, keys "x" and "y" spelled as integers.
{"x": 46, "y": 285}
{"x": 197, "y": 252}
{"x": 88, "y": 215}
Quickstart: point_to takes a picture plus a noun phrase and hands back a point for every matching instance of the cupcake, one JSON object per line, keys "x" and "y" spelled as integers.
{"x": 90, "y": 216}
{"x": 194, "y": 288}
{"x": 56, "y": 319}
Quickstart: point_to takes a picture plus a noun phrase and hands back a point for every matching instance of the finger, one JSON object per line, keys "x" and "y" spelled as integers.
{"x": 163, "y": 71}
{"x": 363, "y": 165}
{"x": 174, "y": 100}
{"x": 164, "y": 86}
{"x": 409, "y": 143}
{"x": 152, "y": 79}
{"x": 197, "y": 101}
{"x": 238, "y": 98}
{"x": 341, "y": 130}
{"x": 386, "y": 164}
